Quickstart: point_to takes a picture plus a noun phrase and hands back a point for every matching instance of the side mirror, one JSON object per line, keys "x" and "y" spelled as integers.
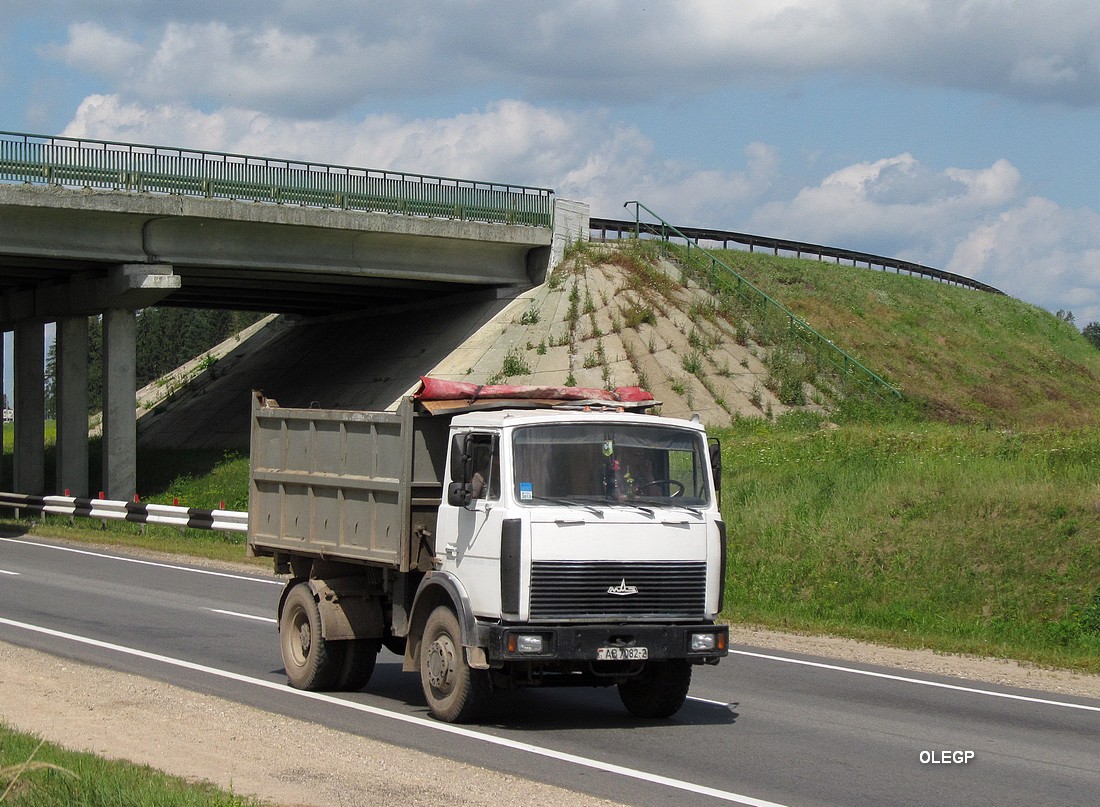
{"x": 459, "y": 455}
{"x": 715, "y": 449}
{"x": 458, "y": 494}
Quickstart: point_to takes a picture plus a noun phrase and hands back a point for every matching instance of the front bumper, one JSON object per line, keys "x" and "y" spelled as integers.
{"x": 581, "y": 642}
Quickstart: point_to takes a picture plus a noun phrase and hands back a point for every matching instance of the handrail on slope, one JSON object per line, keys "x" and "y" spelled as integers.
{"x": 724, "y": 277}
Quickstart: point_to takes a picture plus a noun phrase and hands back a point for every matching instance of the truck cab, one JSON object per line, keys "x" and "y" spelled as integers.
{"x": 588, "y": 547}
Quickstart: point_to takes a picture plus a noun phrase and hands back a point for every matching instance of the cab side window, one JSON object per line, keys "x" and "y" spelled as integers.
{"x": 485, "y": 467}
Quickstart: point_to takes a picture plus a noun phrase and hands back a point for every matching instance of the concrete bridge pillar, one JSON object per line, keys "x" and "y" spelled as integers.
{"x": 119, "y": 404}
{"x": 3, "y": 392}
{"x": 71, "y": 451}
{"x": 29, "y": 461}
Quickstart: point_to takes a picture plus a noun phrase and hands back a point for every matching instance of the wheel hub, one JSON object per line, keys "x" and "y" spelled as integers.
{"x": 441, "y": 661}
{"x": 305, "y": 638}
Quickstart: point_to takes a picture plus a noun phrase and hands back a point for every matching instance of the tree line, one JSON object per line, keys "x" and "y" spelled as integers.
{"x": 166, "y": 338}
{"x": 1091, "y": 332}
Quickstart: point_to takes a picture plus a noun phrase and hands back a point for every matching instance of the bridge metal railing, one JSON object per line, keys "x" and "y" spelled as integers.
{"x": 724, "y": 280}
{"x": 800, "y": 249}
{"x": 81, "y": 162}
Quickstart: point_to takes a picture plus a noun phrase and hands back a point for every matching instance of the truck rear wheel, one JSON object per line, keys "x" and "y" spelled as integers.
{"x": 360, "y": 656}
{"x": 311, "y": 663}
{"x": 659, "y": 691}
{"x": 455, "y": 693}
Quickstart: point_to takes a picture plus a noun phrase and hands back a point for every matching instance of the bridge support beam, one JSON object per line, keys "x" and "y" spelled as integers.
{"x": 29, "y": 461}
{"x": 119, "y": 404}
{"x": 3, "y": 398}
{"x": 72, "y": 406}
{"x": 131, "y": 286}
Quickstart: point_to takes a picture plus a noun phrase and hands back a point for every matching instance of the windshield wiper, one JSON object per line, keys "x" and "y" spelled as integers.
{"x": 667, "y": 503}
{"x": 615, "y": 503}
{"x": 570, "y": 503}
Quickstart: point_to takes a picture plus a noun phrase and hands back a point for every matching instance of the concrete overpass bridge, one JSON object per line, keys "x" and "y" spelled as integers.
{"x": 93, "y": 228}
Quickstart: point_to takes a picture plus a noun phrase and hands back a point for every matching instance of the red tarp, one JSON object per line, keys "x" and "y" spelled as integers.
{"x": 435, "y": 389}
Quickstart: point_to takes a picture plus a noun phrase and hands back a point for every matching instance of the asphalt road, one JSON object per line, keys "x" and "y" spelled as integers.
{"x": 760, "y": 727}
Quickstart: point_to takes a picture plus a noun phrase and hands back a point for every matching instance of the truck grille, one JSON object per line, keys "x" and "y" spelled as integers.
{"x": 613, "y": 589}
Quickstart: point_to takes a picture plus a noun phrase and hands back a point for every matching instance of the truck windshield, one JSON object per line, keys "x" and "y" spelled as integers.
{"x": 610, "y": 463}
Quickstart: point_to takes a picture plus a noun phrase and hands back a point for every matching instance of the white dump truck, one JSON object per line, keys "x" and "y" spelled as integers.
{"x": 494, "y": 543}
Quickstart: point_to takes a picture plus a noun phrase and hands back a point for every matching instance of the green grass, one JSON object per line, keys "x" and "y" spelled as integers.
{"x": 37, "y": 774}
{"x": 956, "y": 538}
{"x": 197, "y": 478}
{"x": 961, "y": 355}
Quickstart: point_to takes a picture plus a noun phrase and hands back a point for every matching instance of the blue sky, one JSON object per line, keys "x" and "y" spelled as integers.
{"x": 961, "y": 134}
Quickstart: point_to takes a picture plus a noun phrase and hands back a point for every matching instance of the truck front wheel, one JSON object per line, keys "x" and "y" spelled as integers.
{"x": 455, "y": 693}
{"x": 659, "y": 691}
{"x": 311, "y": 663}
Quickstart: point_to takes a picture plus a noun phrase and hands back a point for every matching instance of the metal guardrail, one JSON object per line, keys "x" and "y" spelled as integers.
{"x": 724, "y": 278}
{"x": 81, "y": 162}
{"x": 137, "y": 512}
{"x": 800, "y": 249}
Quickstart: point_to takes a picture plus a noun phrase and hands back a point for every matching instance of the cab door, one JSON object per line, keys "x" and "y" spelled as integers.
{"x": 470, "y": 533}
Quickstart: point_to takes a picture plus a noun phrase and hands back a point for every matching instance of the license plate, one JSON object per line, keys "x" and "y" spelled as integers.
{"x": 622, "y": 653}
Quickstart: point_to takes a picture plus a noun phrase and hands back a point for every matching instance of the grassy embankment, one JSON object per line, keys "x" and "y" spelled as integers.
{"x": 37, "y": 774}
{"x": 952, "y": 537}
{"x": 968, "y": 519}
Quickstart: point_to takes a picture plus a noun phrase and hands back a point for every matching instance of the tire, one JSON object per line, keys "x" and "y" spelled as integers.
{"x": 360, "y": 656}
{"x": 455, "y": 693}
{"x": 659, "y": 691}
{"x": 311, "y": 663}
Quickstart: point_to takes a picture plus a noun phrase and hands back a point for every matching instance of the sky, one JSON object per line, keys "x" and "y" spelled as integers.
{"x": 958, "y": 134}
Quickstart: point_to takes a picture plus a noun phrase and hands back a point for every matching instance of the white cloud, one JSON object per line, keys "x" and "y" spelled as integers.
{"x": 263, "y": 68}
{"x": 583, "y": 156}
{"x": 892, "y": 200}
{"x": 1040, "y": 252}
{"x": 306, "y": 60}
{"x": 93, "y": 47}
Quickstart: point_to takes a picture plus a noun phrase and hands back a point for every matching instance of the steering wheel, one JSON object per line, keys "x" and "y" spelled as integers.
{"x": 656, "y": 482}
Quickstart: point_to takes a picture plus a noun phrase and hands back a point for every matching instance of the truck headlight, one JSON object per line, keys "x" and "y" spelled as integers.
{"x": 526, "y": 643}
{"x": 706, "y": 642}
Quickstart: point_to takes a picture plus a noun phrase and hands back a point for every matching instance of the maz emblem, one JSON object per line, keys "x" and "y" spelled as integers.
{"x": 622, "y": 590}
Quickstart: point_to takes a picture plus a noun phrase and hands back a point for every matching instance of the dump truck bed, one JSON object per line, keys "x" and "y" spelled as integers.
{"x": 345, "y": 484}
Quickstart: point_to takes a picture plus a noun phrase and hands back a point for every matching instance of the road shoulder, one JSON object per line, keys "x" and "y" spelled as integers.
{"x": 249, "y": 751}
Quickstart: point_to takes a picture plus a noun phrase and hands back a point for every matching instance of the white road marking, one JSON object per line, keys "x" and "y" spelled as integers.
{"x": 425, "y": 723}
{"x": 5, "y": 571}
{"x": 244, "y": 616}
{"x": 920, "y": 681}
{"x": 724, "y": 704}
{"x": 210, "y": 572}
